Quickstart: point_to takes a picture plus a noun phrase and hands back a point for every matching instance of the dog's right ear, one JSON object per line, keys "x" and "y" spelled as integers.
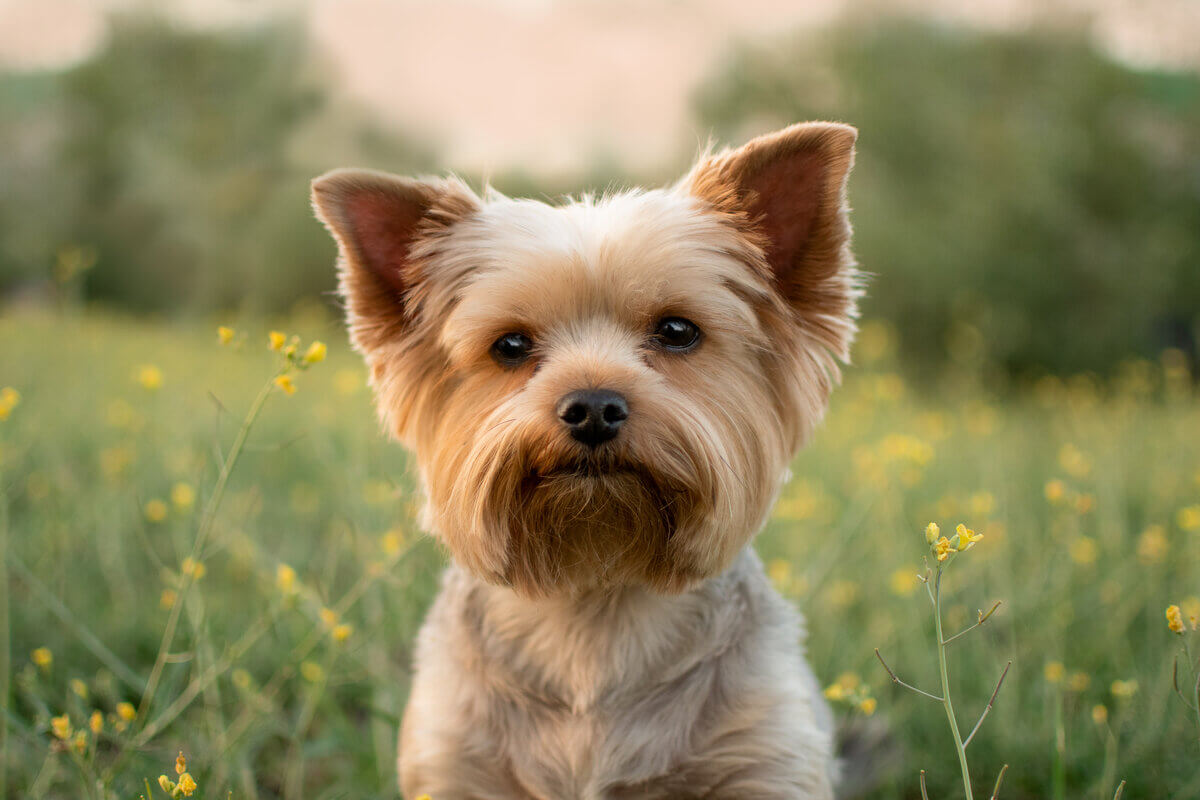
{"x": 379, "y": 220}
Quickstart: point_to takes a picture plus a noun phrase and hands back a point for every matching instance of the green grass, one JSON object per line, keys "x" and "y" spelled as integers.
{"x": 291, "y": 712}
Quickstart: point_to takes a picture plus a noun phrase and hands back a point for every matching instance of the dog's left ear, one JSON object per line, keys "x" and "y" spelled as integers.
{"x": 787, "y": 190}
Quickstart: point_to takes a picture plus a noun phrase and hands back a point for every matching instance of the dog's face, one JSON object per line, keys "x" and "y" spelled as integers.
{"x": 607, "y": 391}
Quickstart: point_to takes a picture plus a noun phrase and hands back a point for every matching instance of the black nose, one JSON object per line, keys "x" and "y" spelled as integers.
{"x": 593, "y": 416}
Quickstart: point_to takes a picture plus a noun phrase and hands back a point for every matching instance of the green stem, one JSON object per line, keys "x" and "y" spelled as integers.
{"x": 206, "y": 524}
{"x": 941, "y": 648}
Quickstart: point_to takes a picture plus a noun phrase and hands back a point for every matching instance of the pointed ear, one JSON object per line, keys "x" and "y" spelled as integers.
{"x": 377, "y": 219}
{"x": 788, "y": 190}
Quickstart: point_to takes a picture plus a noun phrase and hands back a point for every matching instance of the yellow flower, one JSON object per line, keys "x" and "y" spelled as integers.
{"x": 1073, "y": 461}
{"x": 315, "y": 353}
{"x": 780, "y": 572}
{"x": 186, "y": 784}
{"x": 275, "y": 340}
{"x": 311, "y": 672}
{"x": 904, "y": 582}
{"x": 155, "y": 510}
{"x": 1084, "y": 502}
{"x": 942, "y": 548}
{"x": 126, "y": 711}
{"x": 79, "y": 688}
{"x": 982, "y": 503}
{"x": 150, "y": 377}
{"x": 932, "y": 531}
{"x": 79, "y": 742}
{"x": 180, "y": 764}
{"x": 867, "y": 706}
{"x": 167, "y": 598}
{"x": 1055, "y": 491}
{"x": 285, "y": 578}
{"x": 194, "y": 568}
{"x": 342, "y": 632}
{"x": 10, "y": 398}
{"x": 966, "y": 537}
{"x": 1174, "y": 619}
{"x": 285, "y": 382}
{"x": 242, "y": 679}
{"x": 166, "y": 783}
{"x": 329, "y": 617}
{"x": 1083, "y": 550}
{"x": 1099, "y": 714}
{"x": 224, "y": 335}
{"x": 1189, "y": 518}
{"x": 183, "y": 496}
{"x": 42, "y": 657}
{"x": 834, "y": 691}
{"x": 1124, "y": 689}
{"x": 1054, "y": 671}
{"x": 96, "y": 722}
{"x": 61, "y": 727}
{"x": 1152, "y": 545}
{"x": 393, "y": 542}
{"x": 424, "y": 797}
{"x": 1079, "y": 682}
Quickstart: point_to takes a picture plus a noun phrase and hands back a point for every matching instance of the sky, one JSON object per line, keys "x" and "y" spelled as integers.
{"x": 550, "y": 85}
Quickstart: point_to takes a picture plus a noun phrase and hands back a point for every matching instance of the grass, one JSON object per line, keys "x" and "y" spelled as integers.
{"x": 289, "y": 667}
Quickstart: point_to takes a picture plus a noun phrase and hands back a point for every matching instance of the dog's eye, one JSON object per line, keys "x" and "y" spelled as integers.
{"x": 677, "y": 334}
{"x": 512, "y": 349}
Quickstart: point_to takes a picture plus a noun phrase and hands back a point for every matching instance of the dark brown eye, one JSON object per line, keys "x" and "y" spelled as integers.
{"x": 676, "y": 334}
{"x": 512, "y": 349}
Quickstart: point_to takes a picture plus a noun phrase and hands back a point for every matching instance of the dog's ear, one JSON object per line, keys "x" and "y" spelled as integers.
{"x": 787, "y": 190}
{"x": 378, "y": 219}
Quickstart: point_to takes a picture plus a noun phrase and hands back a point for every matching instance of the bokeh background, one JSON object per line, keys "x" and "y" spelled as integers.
{"x": 1026, "y": 197}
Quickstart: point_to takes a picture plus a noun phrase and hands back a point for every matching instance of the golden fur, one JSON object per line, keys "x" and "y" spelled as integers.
{"x": 633, "y": 545}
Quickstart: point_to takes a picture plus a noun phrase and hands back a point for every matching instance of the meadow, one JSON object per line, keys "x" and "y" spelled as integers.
{"x": 295, "y": 598}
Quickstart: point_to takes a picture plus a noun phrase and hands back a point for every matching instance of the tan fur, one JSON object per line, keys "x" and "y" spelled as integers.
{"x": 606, "y": 632}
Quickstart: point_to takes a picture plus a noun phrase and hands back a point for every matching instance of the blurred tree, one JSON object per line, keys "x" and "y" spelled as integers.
{"x": 1024, "y": 185}
{"x": 182, "y": 159}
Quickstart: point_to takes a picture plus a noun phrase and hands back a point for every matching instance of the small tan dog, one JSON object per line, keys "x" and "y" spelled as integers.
{"x": 603, "y": 399}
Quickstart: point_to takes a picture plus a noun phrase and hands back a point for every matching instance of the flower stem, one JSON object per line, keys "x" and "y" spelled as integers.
{"x": 941, "y": 649}
{"x": 206, "y": 524}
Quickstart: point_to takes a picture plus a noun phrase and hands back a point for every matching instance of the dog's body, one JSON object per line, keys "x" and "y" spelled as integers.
{"x": 603, "y": 399}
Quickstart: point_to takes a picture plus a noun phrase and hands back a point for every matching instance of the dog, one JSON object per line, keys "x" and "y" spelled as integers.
{"x": 602, "y": 398}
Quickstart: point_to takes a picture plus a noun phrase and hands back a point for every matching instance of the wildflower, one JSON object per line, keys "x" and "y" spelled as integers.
{"x": 982, "y": 503}
{"x": 329, "y": 617}
{"x": 224, "y": 335}
{"x": 276, "y": 340}
{"x": 193, "y": 568}
{"x": 867, "y": 706}
{"x": 155, "y": 510}
{"x": 780, "y": 572}
{"x": 290, "y": 350}
{"x": 79, "y": 742}
{"x": 1083, "y": 550}
{"x": 1085, "y": 502}
{"x": 311, "y": 672}
{"x": 167, "y": 598}
{"x": 1124, "y": 689}
{"x": 183, "y": 496}
{"x": 904, "y": 582}
{"x": 166, "y": 783}
{"x": 1079, "y": 682}
{"x": 180, "y": 764}
{"x": 342, "y": 632}
{"x": 843, "y": 593}
{"x": 1054, "y": 671}
{"x": 424, "y": 797}
{"x": 285, "y": 578}
{"x": 1174, "y": 619}
{"x": 242, "y": 679}
{"x": 966, "y": 537}
{"x": 61, "y": 727}
{"x": 834, "y": 691}
{"x": 187, "y": 784}
{"x": 79, "y": 688}
{"x": 932, "y": 531}
{"x": 96, "y": 722}
{"x": 126, "y": 711}
{"x": 315, "y": 353}
{"x": 393, "y": 542}
{"x": 1055, "y": 491}
{"x": 150, "y": 377}
{"x": 10, "y": 398}
{"x": 42, "y": 657}
{"x": 1073, "y": 461}
{"x": 285, "y": 382}
{"x": 1189, "y": 518}
{"x": 942, "y": 548}
{"x": 1099, "y": 714}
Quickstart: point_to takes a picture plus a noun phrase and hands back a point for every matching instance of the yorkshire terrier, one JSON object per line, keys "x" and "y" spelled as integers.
{"x": 602, "y": 398}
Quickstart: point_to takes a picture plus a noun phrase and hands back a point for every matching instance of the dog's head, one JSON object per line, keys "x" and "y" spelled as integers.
{"x": 607, "y": 391}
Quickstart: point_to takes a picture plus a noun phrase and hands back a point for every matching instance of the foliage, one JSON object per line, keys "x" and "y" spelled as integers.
{"x": 1024, "y": 183}
{"x": 289, "y": 664}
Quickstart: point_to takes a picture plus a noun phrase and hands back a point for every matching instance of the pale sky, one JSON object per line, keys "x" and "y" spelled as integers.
{"x": 547, "y": 85}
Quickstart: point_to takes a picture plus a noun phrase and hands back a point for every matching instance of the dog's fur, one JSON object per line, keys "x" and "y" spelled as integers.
{"x": 605, "y": 630}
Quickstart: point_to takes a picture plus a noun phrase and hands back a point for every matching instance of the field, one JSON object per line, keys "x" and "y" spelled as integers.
{"x": 288, "y": 668}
